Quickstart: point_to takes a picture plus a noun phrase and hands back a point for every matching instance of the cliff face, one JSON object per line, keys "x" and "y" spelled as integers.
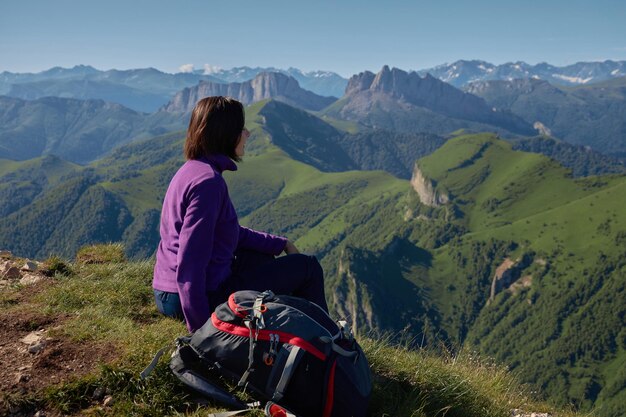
{"x": 265, "y": 85}
{"x": 426, "y": 191}
{"x": 429, "y": 93}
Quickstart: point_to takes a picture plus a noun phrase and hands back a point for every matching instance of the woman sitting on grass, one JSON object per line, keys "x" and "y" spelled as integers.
{"x": 204, "y": 254}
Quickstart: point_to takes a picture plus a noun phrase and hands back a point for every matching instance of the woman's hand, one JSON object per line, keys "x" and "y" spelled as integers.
{"x": 290, "y": 248}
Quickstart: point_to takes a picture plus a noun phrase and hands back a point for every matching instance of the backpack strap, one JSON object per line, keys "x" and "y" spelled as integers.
{"x": 290, "y": 366}
{"x": 179, "y": 342}
{"x": 254, "y": 323}
{"x": 338, "y": 349}
{"x": 146, "y": 372}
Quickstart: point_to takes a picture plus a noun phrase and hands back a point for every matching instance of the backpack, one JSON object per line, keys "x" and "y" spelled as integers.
{"x": 282, "y": 349}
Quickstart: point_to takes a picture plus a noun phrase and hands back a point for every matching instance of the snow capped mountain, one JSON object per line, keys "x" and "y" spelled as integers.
{"x": 461, "y": 73}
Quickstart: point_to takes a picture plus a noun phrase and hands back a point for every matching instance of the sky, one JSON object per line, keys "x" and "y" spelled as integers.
{"x": 344, "y": 36}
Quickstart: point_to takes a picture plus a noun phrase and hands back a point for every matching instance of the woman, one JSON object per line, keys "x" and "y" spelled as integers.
{"x": 204, "y": 254}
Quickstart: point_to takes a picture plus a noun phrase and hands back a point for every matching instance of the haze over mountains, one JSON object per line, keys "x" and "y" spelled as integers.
{"x": 148, "y": 89}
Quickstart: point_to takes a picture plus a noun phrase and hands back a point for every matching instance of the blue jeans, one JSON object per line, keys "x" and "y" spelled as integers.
{"x": 168, "y": 303}
{"x": 299, "y": 275}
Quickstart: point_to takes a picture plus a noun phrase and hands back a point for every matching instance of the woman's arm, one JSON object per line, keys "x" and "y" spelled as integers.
{"x": 261, "y": 241}
{"x": 195, "y": 249}
{"x": 290, "y": 248}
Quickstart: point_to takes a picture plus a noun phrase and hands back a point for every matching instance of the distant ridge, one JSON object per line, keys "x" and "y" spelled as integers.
{"x": 264, "y": 86}
{"x": 79, "y": 131}
{"x": 463, "y": 72}
{"x": 324, "y": 83}
{"x": 589, "y": 115}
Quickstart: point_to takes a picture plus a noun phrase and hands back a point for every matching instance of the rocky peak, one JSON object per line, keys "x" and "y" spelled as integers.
{"x": 427, "y": 91}
{"x": 272, "y": 84}
{"x": 265, "y": 85}
{"x": 360, "y": 82}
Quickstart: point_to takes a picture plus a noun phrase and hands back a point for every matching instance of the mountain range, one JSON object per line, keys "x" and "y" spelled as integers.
{"x": 148, "y": 89}
{"x": 324, "y": 83}
{"x": 592, "y": 116}
{"x": 397, "y": 100}
{"x": 263, "y": 86}
{"x": 463, "y": 72}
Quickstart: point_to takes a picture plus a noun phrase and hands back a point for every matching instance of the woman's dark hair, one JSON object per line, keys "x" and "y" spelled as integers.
{"x": 215, "y": 128}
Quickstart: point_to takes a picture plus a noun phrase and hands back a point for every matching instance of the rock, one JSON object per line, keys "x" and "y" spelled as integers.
{"x": 29, "y": 279}
{"x": 40, "y": 414}
{"x": 108, "y": 401}
{"x": 20, "y": 378}
{"x": 29, "y": 266}
{"x": 32, "y": 337}
{"x": 36, "y": 348}
{"x": 424, "y": 188}
{"x": 9, "y": 271}
{"x": 5, "y": 254}
{"x": 98, "y": 394}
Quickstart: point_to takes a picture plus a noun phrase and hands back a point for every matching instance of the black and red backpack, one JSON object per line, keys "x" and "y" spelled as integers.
{"x": 284, "y": 350}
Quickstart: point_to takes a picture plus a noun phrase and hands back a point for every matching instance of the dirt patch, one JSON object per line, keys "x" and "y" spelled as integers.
{"x": 31, "y": 360}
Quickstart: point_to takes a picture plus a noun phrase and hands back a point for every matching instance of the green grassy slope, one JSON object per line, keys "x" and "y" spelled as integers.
{"x": 563, "y": 330}
{"x": 23, "y": 182}
{"x": 107, "y": 306}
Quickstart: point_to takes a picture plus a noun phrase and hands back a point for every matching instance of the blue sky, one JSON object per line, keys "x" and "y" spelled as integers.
{"x": 345, "y": 36}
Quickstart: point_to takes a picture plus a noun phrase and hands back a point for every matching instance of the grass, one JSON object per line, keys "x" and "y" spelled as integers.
{"x": 101, "y": 254}
{"x": 111, "y": 304}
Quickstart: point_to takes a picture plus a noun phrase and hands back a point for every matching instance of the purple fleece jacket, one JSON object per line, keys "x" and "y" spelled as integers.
{"x": 199, "y": 235}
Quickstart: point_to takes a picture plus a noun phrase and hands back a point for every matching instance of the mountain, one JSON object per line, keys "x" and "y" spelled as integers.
{"x": 144, "y": 89}
{"x": 76, "y": 130}
{"x": 23, "y": 182}
{"x": 590, "y": 116}
{"x": 462, "y": 72}
{"x": 397, "y": 100}
{"x": 323, "y": 83}
{"x": 264, "y": 86}
{"x": 89, "y": 89}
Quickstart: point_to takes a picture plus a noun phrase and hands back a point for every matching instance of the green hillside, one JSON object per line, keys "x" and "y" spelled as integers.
{"x": 581, "y": 160}
{"x": 80, "y": 131}
{"x": 559, "y": 319}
